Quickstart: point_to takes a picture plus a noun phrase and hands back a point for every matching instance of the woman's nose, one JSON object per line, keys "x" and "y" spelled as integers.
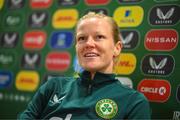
{"x": 90, "y": 41}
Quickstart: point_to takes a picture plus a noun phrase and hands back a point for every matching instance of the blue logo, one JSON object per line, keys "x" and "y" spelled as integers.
{"x": 61, "y": 40}
{"x": 5, "y": 78}
{"x": 127, "y": 13}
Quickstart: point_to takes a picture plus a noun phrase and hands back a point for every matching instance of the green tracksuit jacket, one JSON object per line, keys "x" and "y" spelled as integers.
{"x": 104, "y": 97}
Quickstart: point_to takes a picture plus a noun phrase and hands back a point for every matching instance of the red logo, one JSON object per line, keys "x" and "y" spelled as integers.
{"x": 97, "y": 2}
{"x": 161, "y": 40}
{"x": 40, "y": 3}
{"x": 58, "y": 61}
{"x": 34, "y": 40}
{"x": 155, "y": 90}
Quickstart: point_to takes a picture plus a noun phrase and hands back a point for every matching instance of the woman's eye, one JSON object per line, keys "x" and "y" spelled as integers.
{"x": 100, "y": 37}
{"x": 81, "y": 38}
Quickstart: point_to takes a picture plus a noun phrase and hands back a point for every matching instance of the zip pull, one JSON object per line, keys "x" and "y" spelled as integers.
{"x": 89, "y": 90}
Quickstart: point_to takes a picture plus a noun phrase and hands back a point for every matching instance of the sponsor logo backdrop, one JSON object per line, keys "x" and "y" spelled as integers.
{"x": 37, "y": 42}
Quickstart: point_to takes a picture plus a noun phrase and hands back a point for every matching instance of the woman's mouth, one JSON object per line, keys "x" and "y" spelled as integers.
{"x": 89, "y": 55}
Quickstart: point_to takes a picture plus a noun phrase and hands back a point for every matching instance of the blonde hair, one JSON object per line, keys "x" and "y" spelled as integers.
{"x": 115, "y": 28}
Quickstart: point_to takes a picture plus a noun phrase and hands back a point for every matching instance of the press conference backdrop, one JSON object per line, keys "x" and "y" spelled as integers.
{"x": 37, "y": 42}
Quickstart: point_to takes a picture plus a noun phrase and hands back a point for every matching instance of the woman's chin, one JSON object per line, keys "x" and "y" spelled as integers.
{"x": 90, "y": 68}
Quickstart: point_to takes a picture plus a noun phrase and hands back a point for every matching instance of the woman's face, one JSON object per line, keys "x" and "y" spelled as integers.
{"x": 95, "y": 46}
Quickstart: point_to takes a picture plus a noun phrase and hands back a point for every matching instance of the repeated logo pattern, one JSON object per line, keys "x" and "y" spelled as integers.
{"x": 131, "y": 16}
{"x": 37, "y": 43}
{"x": 161, "y": 40}
{"x": 155, "y": 90}
{"x": 158, "y": 65}
{"x": 9, "y": 39}
{"x": 164, "y": 15}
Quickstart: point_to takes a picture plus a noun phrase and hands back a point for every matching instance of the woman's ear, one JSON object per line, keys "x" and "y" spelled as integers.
{"x": 117, "y": 48}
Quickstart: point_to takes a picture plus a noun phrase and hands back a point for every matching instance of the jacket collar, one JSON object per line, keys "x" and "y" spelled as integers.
{"x": 99, "y": 78}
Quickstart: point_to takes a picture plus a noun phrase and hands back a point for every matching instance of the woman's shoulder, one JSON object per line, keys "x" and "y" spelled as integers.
{"x": 130, "y": 91}
{"x": 58, "y": 82}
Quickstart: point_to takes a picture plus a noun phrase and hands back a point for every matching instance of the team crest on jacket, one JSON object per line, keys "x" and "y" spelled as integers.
{"x": 106, "y": 108}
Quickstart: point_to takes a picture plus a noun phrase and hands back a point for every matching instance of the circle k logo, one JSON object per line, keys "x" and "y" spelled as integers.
{"x": 58, "y": 61}
{"x": 65, "y": 18}
{"x": 161, "y": 40}
{"x": 125, "y": 64}
{"x": 155, "y": 90}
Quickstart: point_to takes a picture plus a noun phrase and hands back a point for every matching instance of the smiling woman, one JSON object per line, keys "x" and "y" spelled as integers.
{"x": 95, "y": 94}
{"x": 95, "y": 46}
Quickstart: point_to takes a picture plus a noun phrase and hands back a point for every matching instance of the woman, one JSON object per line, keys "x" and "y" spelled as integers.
{"x": 96, "y": 94}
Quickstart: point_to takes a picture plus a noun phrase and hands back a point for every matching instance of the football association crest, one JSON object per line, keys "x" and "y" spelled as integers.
{"x": 106, "y": 108}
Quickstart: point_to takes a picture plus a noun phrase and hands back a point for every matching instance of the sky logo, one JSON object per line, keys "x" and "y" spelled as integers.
{"x": 61, "y": 40}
